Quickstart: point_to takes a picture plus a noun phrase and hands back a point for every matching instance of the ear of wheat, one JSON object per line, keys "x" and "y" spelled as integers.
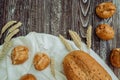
{"x": 7, "y": 25}
{"x": 76, "y": 38}
{"x": 67, "y": 45}
{"x": 7, "y": 41}
{"x": 89, "y": 35}
{"x": 52, "y": 66}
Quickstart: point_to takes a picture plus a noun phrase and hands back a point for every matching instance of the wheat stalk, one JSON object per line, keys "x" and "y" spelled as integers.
{"x": 6, "y": 27}
{"x": 52, "y": 66}
{"x": 16, "y": 26}
{"x": 9, "y": 36}
{"x": 79, "y": 39}
{"x": 6, "y": 47}
{"x": 7, "y": 43}
{"x": 67, "y": 45}
{"x": 89, "y": 35}
{"x": 76, "y": 38}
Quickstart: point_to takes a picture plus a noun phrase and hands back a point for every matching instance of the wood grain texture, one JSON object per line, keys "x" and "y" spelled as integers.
{"x": 58, "y": 16}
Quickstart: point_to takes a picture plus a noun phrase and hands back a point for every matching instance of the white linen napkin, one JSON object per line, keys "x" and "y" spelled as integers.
{"x": 51, "y": 45}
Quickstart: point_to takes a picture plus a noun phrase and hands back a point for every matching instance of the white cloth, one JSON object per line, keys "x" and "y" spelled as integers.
{"x": 51, "y": 45}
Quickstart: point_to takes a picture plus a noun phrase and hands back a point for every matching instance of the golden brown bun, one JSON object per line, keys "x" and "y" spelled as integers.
{"x": 105, "y": 32}
{"x": 19, "y": 55}
{"x": 28, "y": 77}
{"x": 79, "y": 65}
{"x": 41, "y": 61}
{"x": 115, "y": 57}
{"x": 105, "y": 9}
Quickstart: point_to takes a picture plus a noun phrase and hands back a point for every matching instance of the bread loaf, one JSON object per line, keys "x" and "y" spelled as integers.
{"x": 105, "y": 10}
{"x": 115, "y": 57}
{"x": 41, "y": 61}
{"x": 79, "y": 65}
{"x": 28, "y": 77}
{"x": 105, "y": 32}
{"x": 19, "y": 55}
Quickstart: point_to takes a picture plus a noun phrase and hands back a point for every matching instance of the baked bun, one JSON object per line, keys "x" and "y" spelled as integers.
{"x": 105, "y": 9}
{"x": 28, "y": 77}
{"x": 79, "y": 65}
{"x": 41, "y": 61}
{"x": 19, "y": 55}
{"x": 115, "y": 57}
{"x": 105, "y": 32}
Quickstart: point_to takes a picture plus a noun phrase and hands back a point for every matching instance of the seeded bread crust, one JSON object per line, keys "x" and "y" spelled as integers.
{"x": 79, "y": 65}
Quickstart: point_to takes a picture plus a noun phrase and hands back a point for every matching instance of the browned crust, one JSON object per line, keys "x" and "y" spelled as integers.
{"x": 79, "y": 65}
{"x": 41, "y": 61}
{"x": 115, "y": 57}
{"x": 28, "y": 77}
{"x": 105, "y": 9}
{"x": 19, "y": 55}
{"x": 105, "y": 32}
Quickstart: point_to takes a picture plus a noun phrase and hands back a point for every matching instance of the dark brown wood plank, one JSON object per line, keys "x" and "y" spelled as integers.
{"x": 3, "y": 13}
{"x": 66, "y": 17}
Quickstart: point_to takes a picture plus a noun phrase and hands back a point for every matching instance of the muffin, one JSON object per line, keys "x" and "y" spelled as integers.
{"x": 28, "y": 77}
{"x": 115, "y": 57}
{"x": 105, "y": 32}
{"x": 41, "y": 61}
{"x": 105, "y": 9}
{"x": 19, "y": 55}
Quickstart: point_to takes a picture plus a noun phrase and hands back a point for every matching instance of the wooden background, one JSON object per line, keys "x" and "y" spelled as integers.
{"x": 58, "y": 16}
